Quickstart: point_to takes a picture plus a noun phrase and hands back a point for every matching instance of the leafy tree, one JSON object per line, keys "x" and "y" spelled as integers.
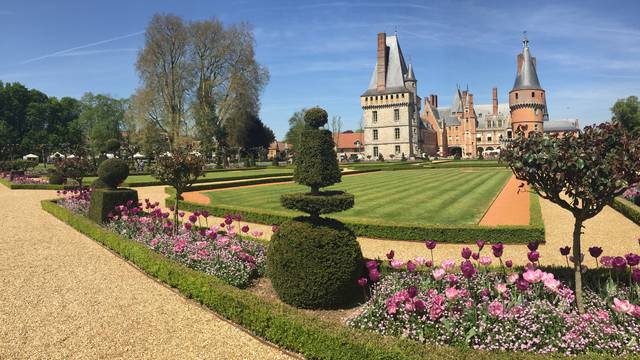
{"x": 296, "y": 127}
{"x": 180, "y": 169}
{"x": 75, "y": 168}
{"x": 627, "y": 112}
{"x": 581, "y": 172}
{"x": 101, "y": 119}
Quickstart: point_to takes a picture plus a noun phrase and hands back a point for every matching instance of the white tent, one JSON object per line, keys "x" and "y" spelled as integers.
{"x": 71, "y": 156}
{"x": 110, "y": 156}
{"x": 56, "y": 155}
{"x": 30, "y": 157}
{"x": 138, "y": 156}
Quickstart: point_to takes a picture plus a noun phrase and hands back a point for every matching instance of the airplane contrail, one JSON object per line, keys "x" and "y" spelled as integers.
{"x": 62, "y": 52}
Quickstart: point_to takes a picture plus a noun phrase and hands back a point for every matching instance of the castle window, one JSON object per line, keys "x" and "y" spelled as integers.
{"x": 533, "y": 94}
{"x": 537, "y": 111}
{"x": 449, "y": 138}
{"x": 396, "y": 132}
{"x": 375, "y": 117}
{"x": 402, "y": 94}
{"x": 375, "y": 151}
{"x": 488, "y": 138}
{"x": 396, "y": 114}
{"x": 516, "y": 96}
{"x": 375, "y": 134}
{"x": 397, "y": 149}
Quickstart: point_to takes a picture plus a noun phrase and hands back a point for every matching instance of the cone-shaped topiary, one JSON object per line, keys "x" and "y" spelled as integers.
{"x": 113, "y": 172}
{"x": 314, "y": 262}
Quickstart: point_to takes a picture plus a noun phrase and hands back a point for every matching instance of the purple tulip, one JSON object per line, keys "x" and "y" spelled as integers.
{"x": 632, "y": 259}
{"x": 467, "y": 268}
{"x": 372, "y": 264}
{"x": 533, "y": 246}
{"x": 245, "y": 229}
{"x": 412, "y": 291}
{"x": 374, "y": 275}
{"x": 420, "y": 305}
{"x": 430, "y": 244}
{"x": 619, "y": 263}
{"x": 274, "y": 228}
{"x": 533, "y": 256}
{"x": 497, "y": 249}
{"x": 522, "y": 284}
{"x": 187, "y": 226}
{"x": 635, "y": 275}
{"x": 595, "y": 251}
{"x": 429, "y": 263}
{"x": 205, "y": 213}
{"x": 466, "y": 253}
{"x": 196, "y": 213}
{"x": 391, "y": 254}
{"x": 565, "y": 250}
{"x": 411, "y": 267}
{"x": 228, "y": 220}
{"x": 193, "y": 218}
{"x": 362, "y": 281}
{"x": 480, "y": 244}
{"x": 475, "y": 256}
{"x": 485, "y": 292}
{"x": 508, "y": 264}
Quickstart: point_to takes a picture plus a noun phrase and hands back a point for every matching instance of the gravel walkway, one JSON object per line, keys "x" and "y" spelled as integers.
{"x": 64, "y": 296}
{"x": 610, "y": 230}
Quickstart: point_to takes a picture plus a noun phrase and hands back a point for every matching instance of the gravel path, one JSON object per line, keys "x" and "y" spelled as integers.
{"x": 64, "y": 296}
{"x": 511, "y": 206}
{"x": 610, "y": 230}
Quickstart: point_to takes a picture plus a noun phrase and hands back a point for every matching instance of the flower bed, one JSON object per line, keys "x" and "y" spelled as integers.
{"x": 217, "y": 250}
{"x": 30, "y": 182}
{"x": 469, "y": 303}
{"x": 633, "y": 194}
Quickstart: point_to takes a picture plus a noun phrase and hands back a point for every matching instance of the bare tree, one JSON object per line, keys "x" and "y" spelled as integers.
{"x": 163, "y": 65}
{"x": 336, "y": 128}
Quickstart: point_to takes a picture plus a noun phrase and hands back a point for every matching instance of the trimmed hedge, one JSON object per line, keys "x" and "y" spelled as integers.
{"x": 204, "y": 180}
{"x": 381, "y": 230}
{"x": 324, "y": 203}
{"x": 630, "y": 210}
{"x": 104, "y": 201}
{"x": 9, "y": 185}
{"x": 287, "y": 327}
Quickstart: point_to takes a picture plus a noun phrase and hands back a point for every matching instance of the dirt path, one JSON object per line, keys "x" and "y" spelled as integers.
{"x": 65, "y": 296}
{"x": 511, "y": 206}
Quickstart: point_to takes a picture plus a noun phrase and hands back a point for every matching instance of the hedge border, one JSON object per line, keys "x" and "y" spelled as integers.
{"x": 625, "y": 207}
{"x": 508, "y": 234}
{"x": 11, "y": 186}
{"x": 284, "y": 326}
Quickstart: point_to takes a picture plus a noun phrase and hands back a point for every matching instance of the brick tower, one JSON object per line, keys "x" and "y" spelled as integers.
{"x": 527, "y": 99}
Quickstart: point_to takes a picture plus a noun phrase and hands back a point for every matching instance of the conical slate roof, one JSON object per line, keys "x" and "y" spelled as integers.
{"x": 410, "y": 75}
{"x": 456, "y": 105}
{"x": 394, "y": 73}
{"x": 527, "y": 77}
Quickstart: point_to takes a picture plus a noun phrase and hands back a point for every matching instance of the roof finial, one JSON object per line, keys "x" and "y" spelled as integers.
{"x": 395, "y": 30}
{"x": 525, "y": 41}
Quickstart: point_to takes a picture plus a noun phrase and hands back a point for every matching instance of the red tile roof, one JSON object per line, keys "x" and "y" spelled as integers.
{"x": 348, "y": 140}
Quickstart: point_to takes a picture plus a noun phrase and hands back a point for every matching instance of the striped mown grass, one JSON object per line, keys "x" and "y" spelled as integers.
{"x": 431, "y": 196}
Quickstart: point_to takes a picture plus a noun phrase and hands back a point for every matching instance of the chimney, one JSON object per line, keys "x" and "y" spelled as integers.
{"x": 382, "y": 62}
{"x": 435, "y": 100}
{"x": 470, "y": 102}
{"x": 495, "y": 101}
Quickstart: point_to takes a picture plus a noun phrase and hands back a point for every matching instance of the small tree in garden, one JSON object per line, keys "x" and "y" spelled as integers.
{"x": 75, "y": 168}
{"x": 581, "y": 172}
{"x": 179, "y": 169}
{"x": 314, "y": 262}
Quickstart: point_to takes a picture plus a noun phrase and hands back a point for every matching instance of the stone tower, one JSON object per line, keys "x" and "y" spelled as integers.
{"x": 527, "y": 98}
{"x": 391, "y": 105}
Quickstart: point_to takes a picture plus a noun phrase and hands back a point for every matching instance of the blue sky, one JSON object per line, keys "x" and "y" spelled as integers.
{"x": 323, "y": 52}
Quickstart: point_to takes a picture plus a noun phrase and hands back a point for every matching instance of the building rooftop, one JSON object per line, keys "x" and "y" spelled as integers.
{"x": 395, "y": 73}
{"x": 527, "y": 77}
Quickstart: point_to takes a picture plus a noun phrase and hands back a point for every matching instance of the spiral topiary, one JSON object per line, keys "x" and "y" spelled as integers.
{"x": 314, "y": 262}
{"x": 113, "y": 172}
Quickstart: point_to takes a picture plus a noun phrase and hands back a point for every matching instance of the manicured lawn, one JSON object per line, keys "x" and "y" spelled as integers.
{"x": 433, "y": 196}
{"x": 212, "y": 176}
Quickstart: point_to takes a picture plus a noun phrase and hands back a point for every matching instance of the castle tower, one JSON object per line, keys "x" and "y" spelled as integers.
{"x": 527, "y": 98}
{"x": 391, "y": 105}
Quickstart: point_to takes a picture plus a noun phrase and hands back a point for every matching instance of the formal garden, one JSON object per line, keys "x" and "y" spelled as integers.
{"x": 310, "y": 289}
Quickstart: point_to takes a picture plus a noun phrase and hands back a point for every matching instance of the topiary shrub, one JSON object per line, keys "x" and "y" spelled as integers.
{"x": 315, "y": 263}
{"x": 104, "y": 201}
{"x": 113, "y": 172}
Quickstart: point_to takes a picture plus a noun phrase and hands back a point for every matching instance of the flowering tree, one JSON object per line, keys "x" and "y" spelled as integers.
{"x": 581, "y": 172}
{"x": 180, "y": 169}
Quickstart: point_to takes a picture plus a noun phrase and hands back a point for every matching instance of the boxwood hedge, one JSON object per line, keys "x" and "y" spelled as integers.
{"x": 8, "y": 184}
{"x": 627, "y": 208}
{"x": 289, "y": 328}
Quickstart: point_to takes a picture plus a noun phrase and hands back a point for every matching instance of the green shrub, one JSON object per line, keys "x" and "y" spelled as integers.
{"x": 104, "y": 201}
{"x": 275, "y": 161}
{"x": 99, "y": 184}
{"x": 316, "y": 117}
{"x": 112, "y": 145}
{"x": 314, "y": 263}
{"x": 380, "y": 158}
{"x": 323, "y": 203}
{"x": 630, "y": 210}
{"x": 55, "y": 178}
{"x": 113, "y": 172}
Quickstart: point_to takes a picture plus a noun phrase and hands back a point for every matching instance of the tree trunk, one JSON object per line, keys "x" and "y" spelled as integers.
{"x": 175, "y": 214}
{"x": 577, "y": 264}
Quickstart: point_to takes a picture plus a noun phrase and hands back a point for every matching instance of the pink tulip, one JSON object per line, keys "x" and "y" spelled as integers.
{"x": 532, "y": 276}
{"x": 512, "y": 278}
{"x": 501, "y": 288}
{"x": 438, "y": 274}
{"x": 397, "y": 264}
{"x": 496, "y": 308}
{"x": 448, "y": 264}
{"x": 451, "y": 293}
{"x": 485, "y": 261}
{"x": 622, "y": 306}
{"x": 420, "y": 260}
